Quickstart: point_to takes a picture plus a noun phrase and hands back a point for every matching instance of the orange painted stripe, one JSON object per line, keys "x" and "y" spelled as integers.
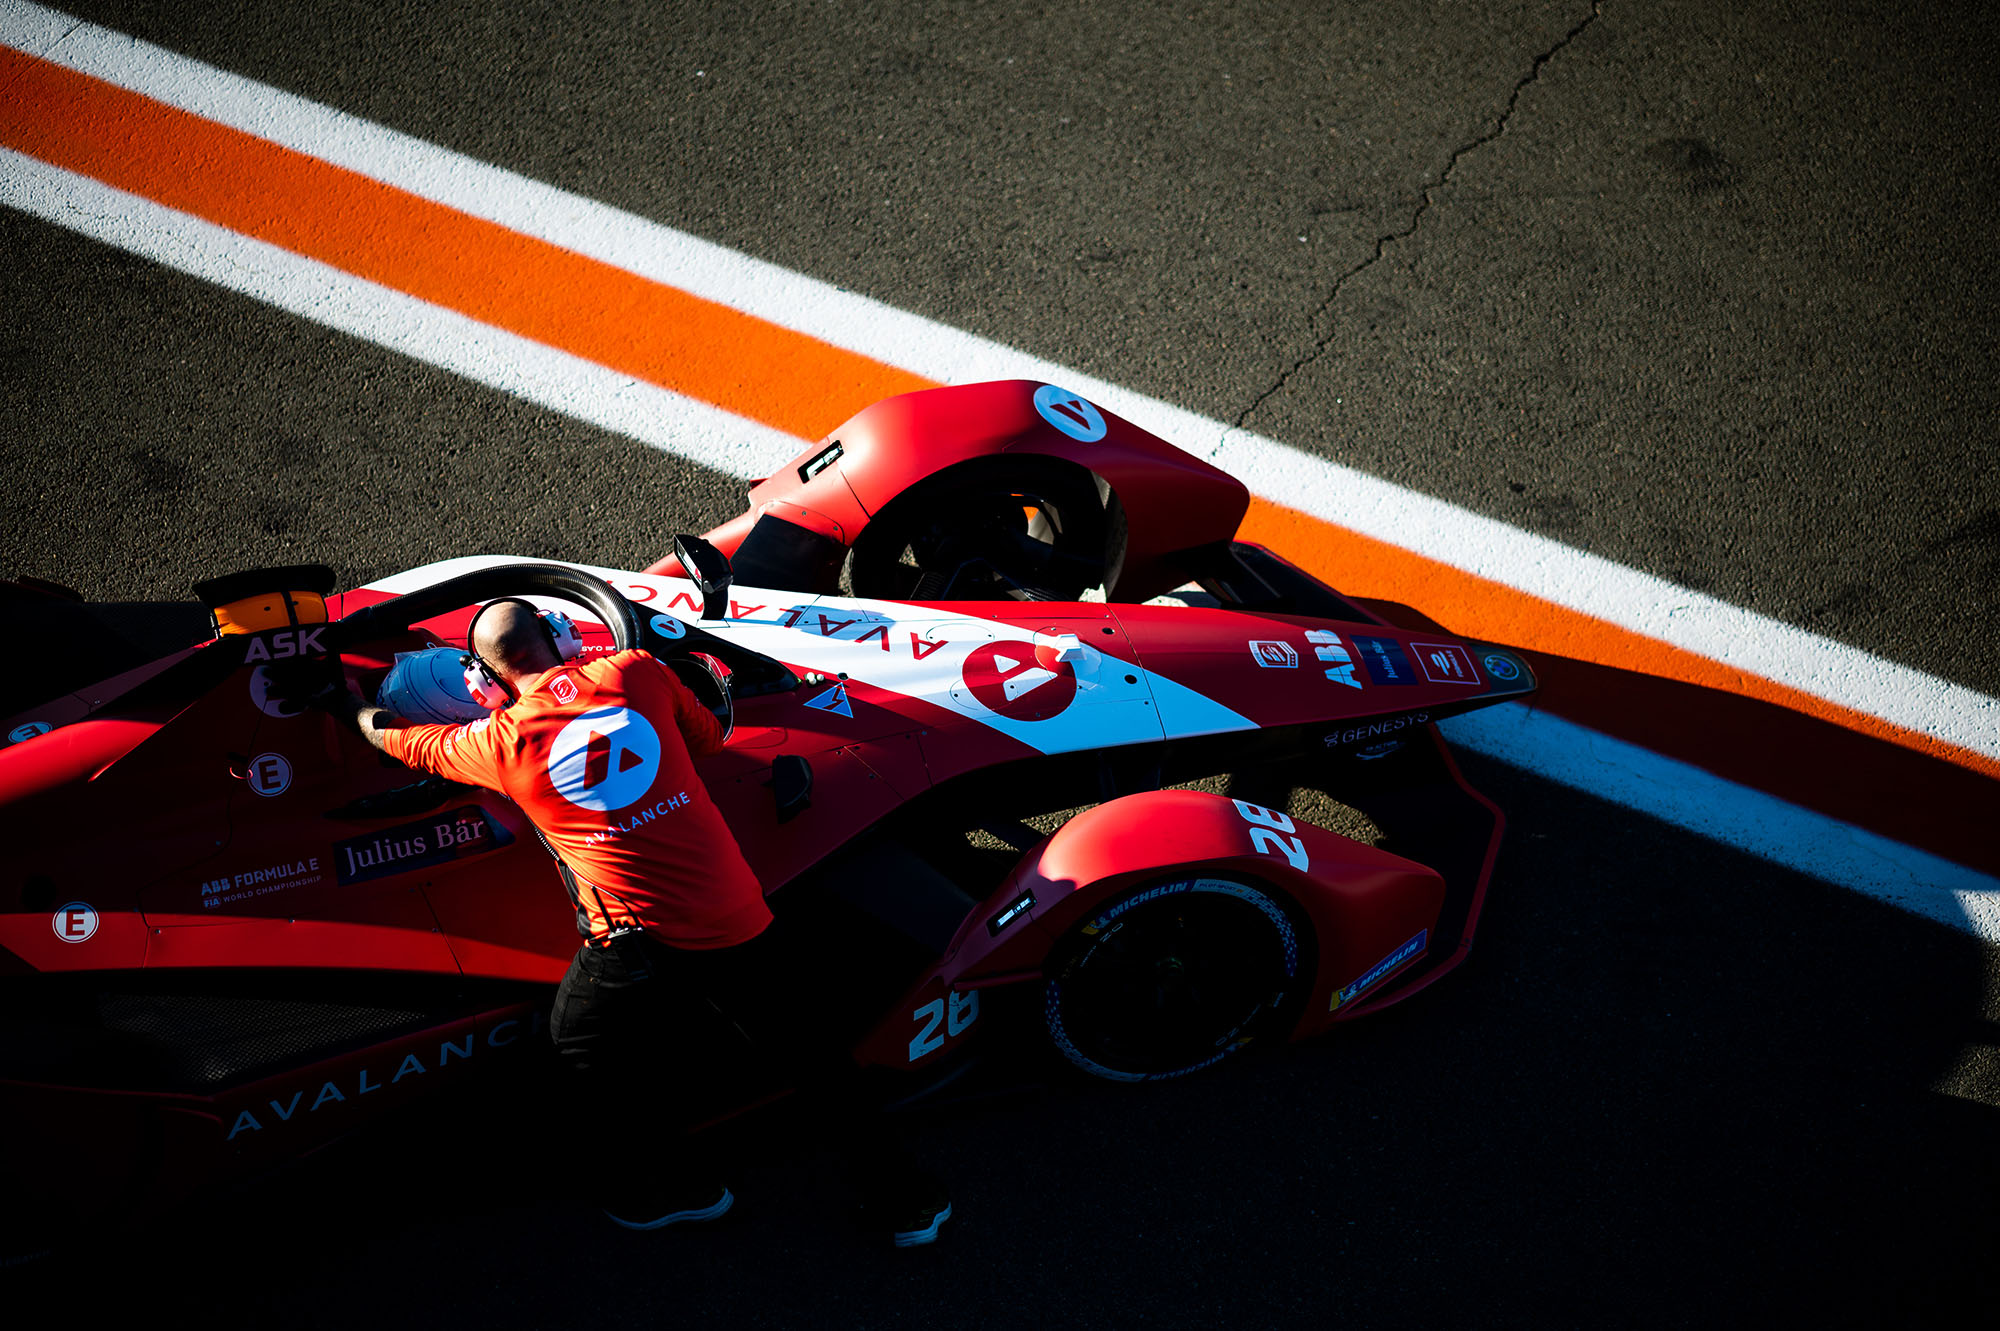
{"x": 803, "y": 386}
{"x": 1471, "y": 606}
{"x": 540, "y": 291}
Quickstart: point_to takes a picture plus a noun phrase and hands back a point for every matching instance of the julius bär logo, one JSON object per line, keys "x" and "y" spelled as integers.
{"x": 1019, "y": 680}
{"x": 454, "y": 834}
{"x": 605, "y": 759}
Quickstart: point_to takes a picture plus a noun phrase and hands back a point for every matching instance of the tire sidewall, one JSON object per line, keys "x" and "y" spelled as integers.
{"x": 1083, "y": 938}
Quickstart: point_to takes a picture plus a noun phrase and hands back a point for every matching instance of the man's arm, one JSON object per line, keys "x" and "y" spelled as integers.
{"x": 465, "y": 753}
{"x": 372, "y": 721}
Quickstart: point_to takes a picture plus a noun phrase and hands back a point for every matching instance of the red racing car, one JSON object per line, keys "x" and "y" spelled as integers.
{"x": 1004, "y": 689}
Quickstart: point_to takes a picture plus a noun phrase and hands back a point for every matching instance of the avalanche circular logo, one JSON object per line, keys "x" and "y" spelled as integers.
{"x": 1069, "y": 413}
{"x": 1019, "y": 680}
{"x": 605, "y": 759}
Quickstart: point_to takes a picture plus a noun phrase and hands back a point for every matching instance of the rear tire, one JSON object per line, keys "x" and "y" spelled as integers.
{"x": 1173, "y": 978}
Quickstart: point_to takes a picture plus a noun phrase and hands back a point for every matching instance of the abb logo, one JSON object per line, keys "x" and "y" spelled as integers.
{"x": 1333, "y": 654}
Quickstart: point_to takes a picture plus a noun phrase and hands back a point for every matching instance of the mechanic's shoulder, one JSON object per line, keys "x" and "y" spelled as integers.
{"x": 632, "y": 657}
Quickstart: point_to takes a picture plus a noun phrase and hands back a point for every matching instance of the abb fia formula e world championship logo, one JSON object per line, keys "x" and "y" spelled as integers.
{"x": 1019, "y": 680}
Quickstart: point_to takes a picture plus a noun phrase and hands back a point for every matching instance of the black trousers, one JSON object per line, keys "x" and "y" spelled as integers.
{"x": 615, "y": 1022}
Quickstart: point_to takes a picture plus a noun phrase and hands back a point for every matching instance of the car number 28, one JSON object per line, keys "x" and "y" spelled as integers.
{"x": 1270, "y": 832}
{"x": 961, "y": 1011}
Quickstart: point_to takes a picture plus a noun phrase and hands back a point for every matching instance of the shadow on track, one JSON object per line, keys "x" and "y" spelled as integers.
{"x": 1675, "y": 1086}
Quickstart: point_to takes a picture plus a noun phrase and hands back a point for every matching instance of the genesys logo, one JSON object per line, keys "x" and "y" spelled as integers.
{"x": 1374, "y": 730}
{"x": 1274, "y": 655}
{"x": 454, "y": 834}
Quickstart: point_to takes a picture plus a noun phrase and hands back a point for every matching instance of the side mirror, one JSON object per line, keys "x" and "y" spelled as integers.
{"x": 709, "y": 568}
{"x": 791, "y": 785}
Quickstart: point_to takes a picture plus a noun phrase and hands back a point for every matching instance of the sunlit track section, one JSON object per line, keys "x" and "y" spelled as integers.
{"x": 685, "y": 426}
{"x": 728, "y": 362}
{"x": 1750, "y": 652}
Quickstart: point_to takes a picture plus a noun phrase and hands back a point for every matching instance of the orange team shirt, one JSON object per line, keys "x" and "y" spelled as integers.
{"x": 601, "y": 759}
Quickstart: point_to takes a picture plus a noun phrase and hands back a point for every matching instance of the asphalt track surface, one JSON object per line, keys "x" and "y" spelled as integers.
{"x": 1704, "y": 292}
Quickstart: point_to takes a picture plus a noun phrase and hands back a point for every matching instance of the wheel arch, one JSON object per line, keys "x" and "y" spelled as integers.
{"x": 1358, "y": 904}
{"x": 1163, "y": 501}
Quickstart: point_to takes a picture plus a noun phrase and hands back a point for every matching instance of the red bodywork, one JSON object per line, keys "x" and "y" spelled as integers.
{"x": 171, "y": 824}
{"x": 1172, "y": 500}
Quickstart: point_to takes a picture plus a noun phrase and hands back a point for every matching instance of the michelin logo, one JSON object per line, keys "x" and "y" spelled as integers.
{"x": 1379, "y": 970}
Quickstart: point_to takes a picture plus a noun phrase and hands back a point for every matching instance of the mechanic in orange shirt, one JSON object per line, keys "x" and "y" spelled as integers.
{"x": 600, "y": 756}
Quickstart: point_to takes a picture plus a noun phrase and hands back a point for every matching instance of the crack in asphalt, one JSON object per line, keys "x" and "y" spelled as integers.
{"x": 1383, "y": 242}
{"x": 45, "y": 54}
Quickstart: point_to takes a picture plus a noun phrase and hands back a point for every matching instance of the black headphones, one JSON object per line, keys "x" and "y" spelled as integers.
{"x": 483, "y": 682}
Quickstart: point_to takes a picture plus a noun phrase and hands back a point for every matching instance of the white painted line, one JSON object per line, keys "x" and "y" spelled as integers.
{"x": 1735, "y": 815}
{"x": 1822, "y": 667}
{"x": 325, "y": 295}
{"x": 711, "y": 437}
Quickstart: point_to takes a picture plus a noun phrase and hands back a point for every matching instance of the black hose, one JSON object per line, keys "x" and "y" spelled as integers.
{"x": 569, "y": 584}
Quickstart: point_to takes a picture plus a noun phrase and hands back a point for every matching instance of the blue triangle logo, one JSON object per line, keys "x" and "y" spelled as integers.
{"x": 833, "y": 700}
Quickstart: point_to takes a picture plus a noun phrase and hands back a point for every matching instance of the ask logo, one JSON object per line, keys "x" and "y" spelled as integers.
{"x": 286, "y": 643}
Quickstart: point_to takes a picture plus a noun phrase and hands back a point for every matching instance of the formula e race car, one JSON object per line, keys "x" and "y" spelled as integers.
{"x": 1015, "y": 720}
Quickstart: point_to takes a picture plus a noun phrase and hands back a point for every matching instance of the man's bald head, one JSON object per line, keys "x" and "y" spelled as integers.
{"x": 511, "y": 640}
